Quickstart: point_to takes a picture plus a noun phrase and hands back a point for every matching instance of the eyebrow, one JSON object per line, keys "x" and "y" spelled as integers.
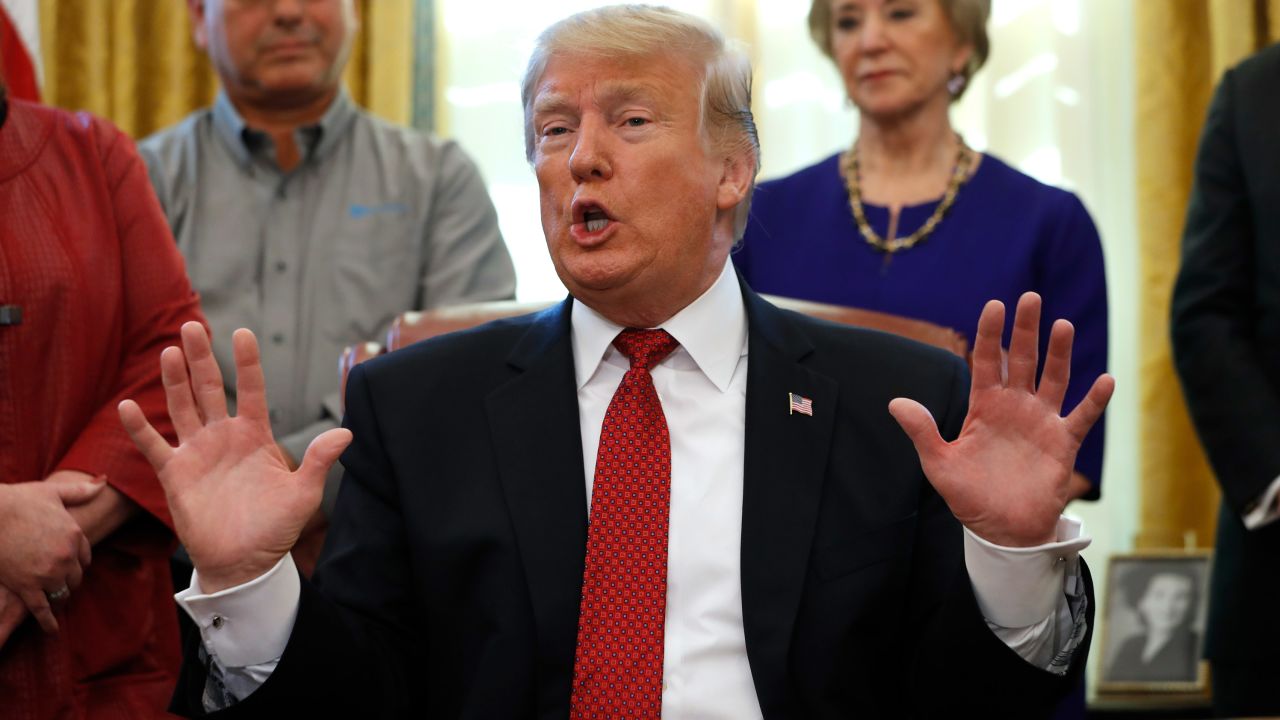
{"x": 550, "y": 103}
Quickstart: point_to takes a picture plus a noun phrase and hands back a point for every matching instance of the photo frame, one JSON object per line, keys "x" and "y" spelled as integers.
{"x": 1153, "y": 622}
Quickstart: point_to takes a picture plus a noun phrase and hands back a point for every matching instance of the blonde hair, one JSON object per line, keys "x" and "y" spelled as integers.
{"x": 630, "y": 31}
{"x": 968, "y": 19}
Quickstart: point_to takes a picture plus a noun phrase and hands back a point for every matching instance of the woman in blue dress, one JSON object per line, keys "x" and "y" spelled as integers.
{"x": 911, "y": 221}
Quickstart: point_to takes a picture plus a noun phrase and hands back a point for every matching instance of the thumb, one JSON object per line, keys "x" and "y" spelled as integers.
{"x": 917, "y": 422}
{"x": 323, "y": 452}
{"x": 78, "y": 493}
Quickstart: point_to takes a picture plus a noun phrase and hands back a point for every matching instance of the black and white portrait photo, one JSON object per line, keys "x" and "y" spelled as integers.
{"x": 1154, "y": 618}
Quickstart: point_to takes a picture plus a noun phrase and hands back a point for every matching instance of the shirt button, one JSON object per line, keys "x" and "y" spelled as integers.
{"x": 218, "y": 622}
{"x": 281, "y": 266}
{"x": 278, "y": 338}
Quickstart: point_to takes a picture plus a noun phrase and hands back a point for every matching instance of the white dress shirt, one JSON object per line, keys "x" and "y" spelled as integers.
{"x": 702, "y": 386}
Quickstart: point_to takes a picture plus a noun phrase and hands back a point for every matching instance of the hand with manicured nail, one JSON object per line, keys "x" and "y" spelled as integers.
{"x": 1007, "y": 477}
{"x": 236, "y": 504}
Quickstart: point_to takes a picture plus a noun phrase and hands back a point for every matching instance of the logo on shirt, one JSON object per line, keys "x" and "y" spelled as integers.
{"x": 359, "y": 212}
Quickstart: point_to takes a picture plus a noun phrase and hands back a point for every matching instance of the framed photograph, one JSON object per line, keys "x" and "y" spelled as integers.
{"x": 1153, "y": 620}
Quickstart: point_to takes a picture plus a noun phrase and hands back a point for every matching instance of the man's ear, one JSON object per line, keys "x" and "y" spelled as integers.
{"x": 735, "y": 180}
{"x": 196, "y": 9}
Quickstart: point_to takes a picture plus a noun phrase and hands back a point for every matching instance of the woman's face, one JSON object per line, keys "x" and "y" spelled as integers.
{"x": 1166, "y": 602}
{"x": 895, "y": 55}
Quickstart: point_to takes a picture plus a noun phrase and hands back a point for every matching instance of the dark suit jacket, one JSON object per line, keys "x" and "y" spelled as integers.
{"x": 1226, "y": 340}
{"x": 452, "y": 575}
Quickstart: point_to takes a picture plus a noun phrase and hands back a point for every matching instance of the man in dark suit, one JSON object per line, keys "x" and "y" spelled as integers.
{"x": 605, "y": 510}
{"x": 1226, "y": 342}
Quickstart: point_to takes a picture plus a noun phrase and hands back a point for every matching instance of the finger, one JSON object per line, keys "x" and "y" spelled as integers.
{"x": 75, "y": 574}
{"x": 206, "y": 378}
{"x": 7, "y": 626}
{"x": 918, "y": 424}
{"x": 1057, "y": 365}
{"x": 186, "y": 417}
{"x": 77, "y": 493}
{"x": 153, "y": 446}
{"x": 1024, "y": 345}
{"x": 38, "y": 604}
{"x": 323, "y": 452}
{"x": 251, "y": 386}
{"x": 986, "y": 347}
{"x": 1090, "y": 408}
{"x": 86, "y": 551}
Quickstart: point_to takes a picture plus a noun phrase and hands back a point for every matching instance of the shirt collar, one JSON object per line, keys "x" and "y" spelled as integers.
{"x": 711, "y": 329}
{"x": 315, "y": 140}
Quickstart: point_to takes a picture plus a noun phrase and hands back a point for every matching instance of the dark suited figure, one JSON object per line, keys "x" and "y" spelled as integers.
{"x": 1165, "y": 601}
{"x": 604, "y": 510}
{"x": 1226, "y": 342}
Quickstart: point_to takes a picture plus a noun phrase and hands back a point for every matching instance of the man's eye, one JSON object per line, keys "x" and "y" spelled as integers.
{"x": 557, "y": 130}
{"x": 904, "y": 14}
{"x": 637, "y": 122}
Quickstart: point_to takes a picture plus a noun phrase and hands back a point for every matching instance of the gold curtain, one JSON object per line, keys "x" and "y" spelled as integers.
{"x": 134, "y": 62}
{"x": 1182, "y": 49}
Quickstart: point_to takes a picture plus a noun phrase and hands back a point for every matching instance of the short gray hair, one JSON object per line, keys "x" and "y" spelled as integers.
{"x": 968, "y": 19}
{"x": 628, "y": 31}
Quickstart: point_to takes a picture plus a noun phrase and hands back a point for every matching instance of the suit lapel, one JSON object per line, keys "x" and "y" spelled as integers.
{"x": 786, "y": 457}
{"x": 536, "y": 434}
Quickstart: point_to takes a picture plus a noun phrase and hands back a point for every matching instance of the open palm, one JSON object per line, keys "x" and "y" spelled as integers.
{"x": 1007, "y": 476}
{"x": 237, "y": 506}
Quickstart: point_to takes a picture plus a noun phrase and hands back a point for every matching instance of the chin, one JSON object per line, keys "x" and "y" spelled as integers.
{"x": 593, "y": 275}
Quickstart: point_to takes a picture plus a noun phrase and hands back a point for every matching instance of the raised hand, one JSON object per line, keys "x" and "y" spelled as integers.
{"x": 237, "y": 506}
{"x": 43, "y": 550}
{"x": 1007, "y": 477}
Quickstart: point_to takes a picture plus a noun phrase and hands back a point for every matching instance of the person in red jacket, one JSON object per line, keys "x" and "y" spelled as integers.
{"x": 92, "y": 288}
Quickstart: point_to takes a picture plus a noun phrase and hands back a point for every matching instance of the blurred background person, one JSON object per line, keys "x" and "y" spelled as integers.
{"x": 911, "y": 221}
{"x": 1226, "y": 324}
{"x": 91, "y": 289}
{"x": 309, "y": 220}
{"x": 1165, "y": 601}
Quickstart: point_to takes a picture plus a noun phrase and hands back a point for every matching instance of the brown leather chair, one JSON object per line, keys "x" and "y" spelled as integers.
{"x": 414, "y": 326}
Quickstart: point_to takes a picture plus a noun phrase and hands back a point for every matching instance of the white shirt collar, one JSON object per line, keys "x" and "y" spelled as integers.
{"x": 712, "y": 330}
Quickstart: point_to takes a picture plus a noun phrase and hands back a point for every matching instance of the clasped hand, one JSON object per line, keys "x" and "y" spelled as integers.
{"x": 44, "y": 549}
{"x": 1007, "y": 475}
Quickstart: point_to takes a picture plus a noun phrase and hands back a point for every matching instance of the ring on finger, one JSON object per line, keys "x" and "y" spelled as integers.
{"x": 59, "y": 595}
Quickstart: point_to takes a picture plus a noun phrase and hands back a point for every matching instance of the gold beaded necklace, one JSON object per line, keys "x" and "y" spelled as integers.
{"x": 849, "y": 169}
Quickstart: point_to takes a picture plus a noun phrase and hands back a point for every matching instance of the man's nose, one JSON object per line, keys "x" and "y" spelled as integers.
{"x": 287, "y": 11}
{"x": 591, "y": 158}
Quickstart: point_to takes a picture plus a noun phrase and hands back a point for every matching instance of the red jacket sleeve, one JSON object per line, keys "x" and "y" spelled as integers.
{"x": 157, "y": 300}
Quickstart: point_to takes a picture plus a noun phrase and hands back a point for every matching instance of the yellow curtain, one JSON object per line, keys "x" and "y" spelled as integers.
{"x": 134, "y": 62}
{"x": 1182, "y": 48}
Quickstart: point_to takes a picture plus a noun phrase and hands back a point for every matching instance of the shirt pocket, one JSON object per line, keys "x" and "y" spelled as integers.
{"x": 376, "y": 266}
{"x": 867, "y": 548}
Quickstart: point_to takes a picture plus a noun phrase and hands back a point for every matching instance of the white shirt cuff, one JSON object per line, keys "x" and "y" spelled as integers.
{"x": 1266, "y": 510}
{"x": 247, "y": 624}
{"x": 1020, "y": 587}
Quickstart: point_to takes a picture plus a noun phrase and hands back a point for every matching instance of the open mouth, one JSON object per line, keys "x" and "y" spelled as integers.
{"x": 592, "y": 217}
{"x": 595, "y": 220}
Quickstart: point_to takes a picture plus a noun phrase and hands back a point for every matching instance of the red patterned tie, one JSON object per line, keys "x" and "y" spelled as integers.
{"x": 618, "y": 669}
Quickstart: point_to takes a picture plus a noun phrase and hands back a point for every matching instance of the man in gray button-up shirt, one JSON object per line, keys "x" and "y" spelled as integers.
{"x": 305, "y": 218}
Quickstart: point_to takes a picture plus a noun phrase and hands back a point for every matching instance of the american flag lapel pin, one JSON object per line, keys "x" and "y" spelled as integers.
{"x": 799, "y": 404}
